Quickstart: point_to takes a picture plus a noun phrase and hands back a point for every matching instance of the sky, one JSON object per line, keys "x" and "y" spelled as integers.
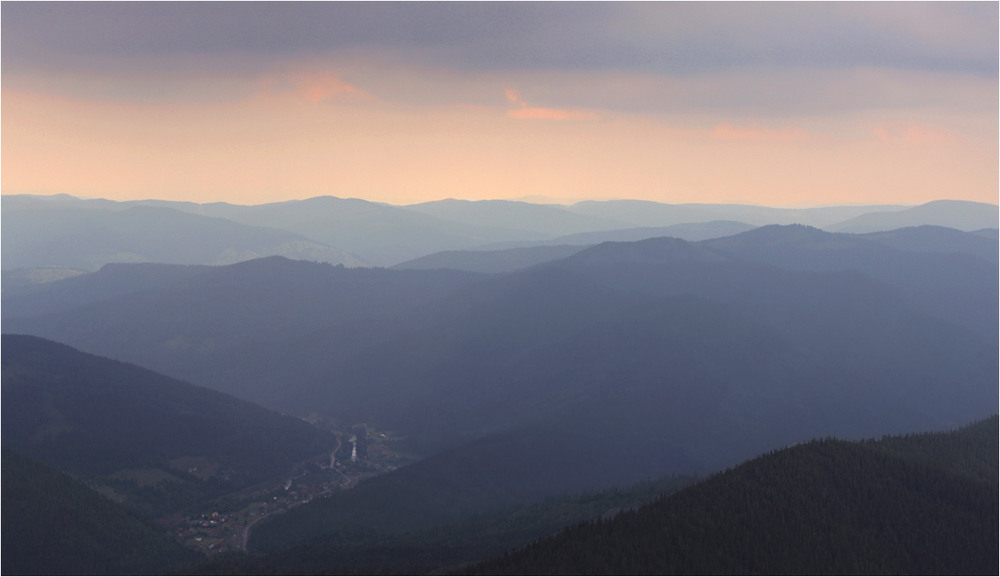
{"x": 780, "y": 104}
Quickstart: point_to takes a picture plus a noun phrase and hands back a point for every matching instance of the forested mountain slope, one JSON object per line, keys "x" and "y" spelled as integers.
{"x": 345, "y": 548}
{"x": 924, "y": 505}
{"x": 159, "y": 444}
{"x": 55, "y": 525}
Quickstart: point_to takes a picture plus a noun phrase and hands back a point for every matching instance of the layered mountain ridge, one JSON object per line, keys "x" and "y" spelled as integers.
{"x": 512, "y": 376}
{"x": 66, "y": 232}
{"x": 703, "y": 353}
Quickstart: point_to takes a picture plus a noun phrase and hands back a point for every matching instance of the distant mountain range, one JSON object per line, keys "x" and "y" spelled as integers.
{"x": 67, "y": 234}
{"x": 513, "y": 375}
{"x": 64, "y": 232}
{"x": 962, "y": 215}
{"x": 511, "y": 256}
{"x": 652, "y": 357}
{"x": 643, "y": 213}
{"x": 921, "y": 239}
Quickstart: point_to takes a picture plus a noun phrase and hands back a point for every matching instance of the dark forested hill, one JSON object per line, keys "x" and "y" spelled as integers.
{"x": 918, "y": 505}
{"x": 55, "y": 525}
{"x": 158, "y": 443}
{"x": 347, "y": 547}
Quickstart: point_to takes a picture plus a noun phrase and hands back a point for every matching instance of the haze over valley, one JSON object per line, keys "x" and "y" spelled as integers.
{"x": 503, "y": 376}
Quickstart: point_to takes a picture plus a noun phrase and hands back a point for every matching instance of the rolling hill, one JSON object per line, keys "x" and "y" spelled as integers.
{"x": 959, "y": 214}
{"x": 530, "y": 220}
{"x": 643, "y": 213}
{"x": 48, "y": 235}
{"x": 940, "y": 240}
{"x": 379, "y": 233}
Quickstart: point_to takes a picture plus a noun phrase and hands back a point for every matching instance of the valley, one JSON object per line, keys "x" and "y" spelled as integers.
{"x": 224, "y": 525}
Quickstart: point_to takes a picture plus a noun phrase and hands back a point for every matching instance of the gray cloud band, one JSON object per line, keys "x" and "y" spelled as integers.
{"x": 669, "y": 38}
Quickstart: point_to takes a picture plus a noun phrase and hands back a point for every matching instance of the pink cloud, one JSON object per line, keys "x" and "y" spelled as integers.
{"x": 525, "y": 112}
{"x": 535, "y": 113}
{"x": 313, "y": 87}
{"x": 318, "y": 87}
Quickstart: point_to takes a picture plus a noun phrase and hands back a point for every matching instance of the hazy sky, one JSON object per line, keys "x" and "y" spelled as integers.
{"x": 773, "y": 103}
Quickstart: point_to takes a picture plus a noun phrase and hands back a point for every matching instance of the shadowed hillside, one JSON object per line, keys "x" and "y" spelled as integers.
{"x": 54, "y": 525}
{"x": 920, "y": 505}
{"x": 159, "y": 444}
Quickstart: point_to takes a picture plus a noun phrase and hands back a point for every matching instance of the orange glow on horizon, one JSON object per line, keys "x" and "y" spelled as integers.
{"x": 302, "y": 142}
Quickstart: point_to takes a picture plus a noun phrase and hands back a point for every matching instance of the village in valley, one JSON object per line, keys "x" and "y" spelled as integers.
{"x": 224, "y": 524}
